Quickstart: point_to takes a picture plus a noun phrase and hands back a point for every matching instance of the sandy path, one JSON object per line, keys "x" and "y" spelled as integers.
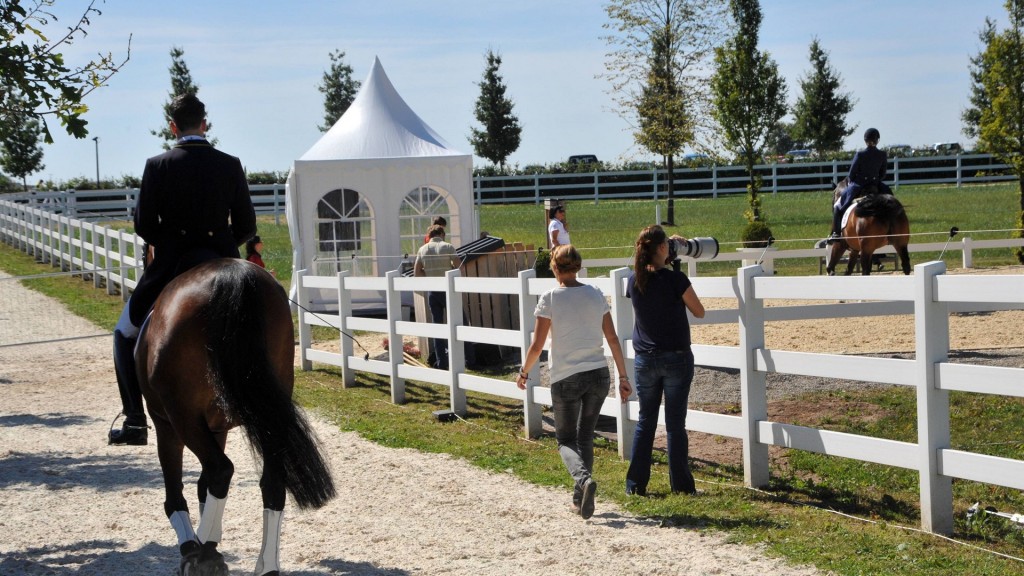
{"x": 70, "y": 504}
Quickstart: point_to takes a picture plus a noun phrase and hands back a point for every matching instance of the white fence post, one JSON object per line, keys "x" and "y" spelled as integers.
{"x": 393, "y": 300}
{"x": 532, "y": 424}
{"x": 305, "y": 335}
{"x": 622, "y": 314}
{"x": 348, "y": 375}
{"x": 968, "y": 253}
{"x": 753, "y": 387}
{"x": 456, "y": 348}
{"x": 931, "y": 329}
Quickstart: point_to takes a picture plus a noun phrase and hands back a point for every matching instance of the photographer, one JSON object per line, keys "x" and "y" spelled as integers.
{"x": 664, "y": 361}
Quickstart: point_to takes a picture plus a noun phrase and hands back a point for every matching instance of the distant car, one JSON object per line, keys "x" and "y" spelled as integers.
{"x": 900, "y": 150}
{"x": 583, "y": 159}
{"x": 948, "y": 148}
{"x": 693, "y": 157}
{"x": 798, "y": 155}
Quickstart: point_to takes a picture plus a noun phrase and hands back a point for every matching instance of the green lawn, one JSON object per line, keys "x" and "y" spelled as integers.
{"x": 795, "y": 517}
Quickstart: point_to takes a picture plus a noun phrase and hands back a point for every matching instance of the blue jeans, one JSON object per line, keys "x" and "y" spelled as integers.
{"x": 657, "y": 373}
{"x": 576, "y": 402}
{"x": 438, "y": 304}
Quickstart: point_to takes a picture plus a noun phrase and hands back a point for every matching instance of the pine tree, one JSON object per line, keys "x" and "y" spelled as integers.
{"x": 821, "y": 110}
{"x": 501, "y": 132}
{"x": 338, "y": 88}
{"x": 978, "y": 69}
{"x": 20, "y": 151}
{"x": 181, "y": 83}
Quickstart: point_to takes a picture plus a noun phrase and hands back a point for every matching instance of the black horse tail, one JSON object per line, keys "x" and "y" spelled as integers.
{"x": 242, "y": 373}
{"x": 883, "y": 208}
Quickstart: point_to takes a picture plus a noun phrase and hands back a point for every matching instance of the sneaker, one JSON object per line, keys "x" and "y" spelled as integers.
{"x": 587, "y": 505}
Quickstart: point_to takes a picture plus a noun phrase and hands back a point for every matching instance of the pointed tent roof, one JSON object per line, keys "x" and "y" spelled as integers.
{"x": 379, "y": 124}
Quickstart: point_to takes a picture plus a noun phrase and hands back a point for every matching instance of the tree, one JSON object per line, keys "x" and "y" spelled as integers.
{"x": 660, "y": 51}
{"x": 749, "y": 96}
{"x": 181, "y": 83}
{"x": 978, "y": 68}
{"x": 338, "y": 88}
{"x": 779, "y": 139}
{"x": 501, "y": 132}
{"x": 821, "y": 111}
{"x": 20, "y": 152}
{"x": 44, "y": 84}
{"x": 1001, "y": 126}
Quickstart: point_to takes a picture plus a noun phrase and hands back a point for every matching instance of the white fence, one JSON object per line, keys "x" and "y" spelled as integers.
{"x": 929, "y": 295}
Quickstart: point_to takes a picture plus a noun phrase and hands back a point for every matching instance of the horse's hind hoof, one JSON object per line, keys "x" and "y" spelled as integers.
{"x": 202, "y": 560}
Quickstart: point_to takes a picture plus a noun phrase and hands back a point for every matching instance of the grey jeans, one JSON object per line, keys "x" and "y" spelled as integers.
{"x": 576, "y": 402}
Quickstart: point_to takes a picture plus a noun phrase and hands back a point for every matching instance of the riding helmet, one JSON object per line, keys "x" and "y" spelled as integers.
{"x": 872, "y": 135}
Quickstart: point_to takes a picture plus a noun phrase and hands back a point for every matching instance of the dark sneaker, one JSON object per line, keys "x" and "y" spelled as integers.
{"x": 587, "y": 505}
{"x": 129, "y": 435}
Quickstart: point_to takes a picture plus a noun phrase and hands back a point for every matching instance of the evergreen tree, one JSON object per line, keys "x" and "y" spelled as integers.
{"x": 20, "y": 151}
{"x": 821, "y": 110}
{"x": 749, "y": 95}
{"x": 1001, "y": 125}
{"x": 780, "y": 139}
{"x": 338, "y": 88}
{"x": 181, "y": 83}
{"x": 978, "y": 68}
{"x": 501, "y": 132}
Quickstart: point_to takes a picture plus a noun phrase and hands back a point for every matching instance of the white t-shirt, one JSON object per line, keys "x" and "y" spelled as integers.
{"x": 576, "y": 315}
{"x": 563, "y": 235}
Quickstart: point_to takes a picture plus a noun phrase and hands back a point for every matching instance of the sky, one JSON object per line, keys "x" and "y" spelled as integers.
{"x": 258, "y": 65}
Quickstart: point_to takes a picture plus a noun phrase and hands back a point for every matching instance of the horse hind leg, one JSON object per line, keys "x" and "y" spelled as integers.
{"x": 852, "y": 261}
{"x": 904, "y": 258}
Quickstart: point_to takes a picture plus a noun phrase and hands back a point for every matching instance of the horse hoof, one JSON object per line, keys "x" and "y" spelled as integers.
{"x": 202, "y": 560}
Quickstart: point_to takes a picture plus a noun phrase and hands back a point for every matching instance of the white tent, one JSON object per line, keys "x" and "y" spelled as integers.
{"x": 363, "y": 196}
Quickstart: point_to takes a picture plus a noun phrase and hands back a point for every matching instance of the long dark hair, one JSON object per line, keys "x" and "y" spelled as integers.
{"x": 645, "y": 253}
{"x": 250, "y": 246}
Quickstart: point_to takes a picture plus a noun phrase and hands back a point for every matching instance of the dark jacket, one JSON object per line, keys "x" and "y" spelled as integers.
{"x": 868, "y": 166}
{"x": 193, "y": 205}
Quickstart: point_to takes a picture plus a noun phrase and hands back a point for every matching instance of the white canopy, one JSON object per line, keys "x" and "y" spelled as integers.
{"x": 363, "y": 196}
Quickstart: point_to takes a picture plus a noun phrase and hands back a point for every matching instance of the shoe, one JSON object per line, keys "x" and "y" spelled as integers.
{"x": 587, "y": 504}
{"x": 129, "y": 435}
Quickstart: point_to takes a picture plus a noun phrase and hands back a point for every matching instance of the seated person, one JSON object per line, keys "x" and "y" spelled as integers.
{"x": 866, "y": 175}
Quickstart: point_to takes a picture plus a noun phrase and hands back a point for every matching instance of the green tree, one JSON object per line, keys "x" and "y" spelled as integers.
{"x": 660, "y": 50}
{"x": 44, "y": 83}
{"x": 821, "y": 110}
{"x": 20, "y": 151}
{"x": 338, "y": 88}
{"x": 978, "y": 68}
{"x": 779, "y": 139}
{"x": 1001, "y": 126}
{"x": 501, "y": 132}
{"x": 749, "y": 96}
{"x": 181, "y": 83}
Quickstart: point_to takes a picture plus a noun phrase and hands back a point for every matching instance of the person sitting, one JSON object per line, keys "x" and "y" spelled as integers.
{"x": 866, "y": 174}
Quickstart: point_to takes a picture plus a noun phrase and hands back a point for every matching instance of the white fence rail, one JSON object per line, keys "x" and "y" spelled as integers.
{"x": 929, "y": 295}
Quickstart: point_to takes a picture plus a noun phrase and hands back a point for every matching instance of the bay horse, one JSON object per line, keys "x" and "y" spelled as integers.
{"x": 216, "y": 352}
{"x": 874, "y": 220}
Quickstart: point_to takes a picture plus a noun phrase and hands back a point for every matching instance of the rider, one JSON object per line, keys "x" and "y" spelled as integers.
{"x": 193, "y": 205}
{"x": 866, "y": 173}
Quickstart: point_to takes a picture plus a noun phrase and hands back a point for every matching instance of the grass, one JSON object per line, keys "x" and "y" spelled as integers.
{"x": 790, "y": 519}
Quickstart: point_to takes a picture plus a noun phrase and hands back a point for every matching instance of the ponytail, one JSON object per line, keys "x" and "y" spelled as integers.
{"x": 646, "y": 249}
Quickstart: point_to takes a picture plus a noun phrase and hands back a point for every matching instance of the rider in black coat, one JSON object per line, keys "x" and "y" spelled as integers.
{"x": 866, "y": 173}
{"x": 193, "y": 205}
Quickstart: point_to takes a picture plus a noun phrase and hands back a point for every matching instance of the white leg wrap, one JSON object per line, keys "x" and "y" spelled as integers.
{"x": 211, "y": 520}
{"x": 182, "y": 527}
{"x": 268, "y": 561}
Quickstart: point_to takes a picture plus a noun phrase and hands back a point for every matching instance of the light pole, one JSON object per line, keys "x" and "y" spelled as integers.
{"x": 96, "y": 139}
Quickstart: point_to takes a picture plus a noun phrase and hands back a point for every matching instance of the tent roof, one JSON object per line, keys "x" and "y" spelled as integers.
{"x": 379, "y": 124}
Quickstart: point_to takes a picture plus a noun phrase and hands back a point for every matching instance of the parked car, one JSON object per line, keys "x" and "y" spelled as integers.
{"x": 948, "y": 148}
{"x": 900, "y": 150}
{"x": 798, "y": 155}
{"x": 583, "y": 159}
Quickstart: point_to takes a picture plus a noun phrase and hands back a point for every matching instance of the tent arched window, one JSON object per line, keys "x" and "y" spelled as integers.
{"x": 418, "y": 210}
{"x": 344, "y": 234}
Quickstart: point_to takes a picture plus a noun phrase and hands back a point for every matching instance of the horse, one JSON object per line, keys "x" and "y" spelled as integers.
{"x": 874, "y": 220}
{"x": 217, "y": 351}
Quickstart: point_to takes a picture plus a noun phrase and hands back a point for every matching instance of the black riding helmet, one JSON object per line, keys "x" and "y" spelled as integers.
{"x": 872, "y": 135}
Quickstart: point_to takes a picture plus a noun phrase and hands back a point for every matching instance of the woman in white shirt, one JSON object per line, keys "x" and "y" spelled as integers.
{"x": 557, "y": 231}
{"x": 576, "y": 316}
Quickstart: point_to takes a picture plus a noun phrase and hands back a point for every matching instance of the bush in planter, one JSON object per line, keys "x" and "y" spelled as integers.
{"x": 756, "y": 234}
{"x": 543, "y": 264}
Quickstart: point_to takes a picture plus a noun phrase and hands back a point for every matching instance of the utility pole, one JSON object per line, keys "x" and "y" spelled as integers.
{"x": 96, "y": 139}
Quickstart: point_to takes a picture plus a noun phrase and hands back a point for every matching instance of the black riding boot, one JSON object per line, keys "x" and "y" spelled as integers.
{"x": 134, "y": 429}
{"x": 837, "y": 217}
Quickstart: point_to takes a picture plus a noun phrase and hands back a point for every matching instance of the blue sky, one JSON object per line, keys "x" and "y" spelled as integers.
{"x": 258, "y": 65}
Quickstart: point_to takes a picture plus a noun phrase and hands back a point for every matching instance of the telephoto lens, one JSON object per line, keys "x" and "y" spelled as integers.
{"x": 700, "y": 248}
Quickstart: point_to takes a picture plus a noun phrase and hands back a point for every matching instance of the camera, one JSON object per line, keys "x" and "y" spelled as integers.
{"x": 705, "y": 248}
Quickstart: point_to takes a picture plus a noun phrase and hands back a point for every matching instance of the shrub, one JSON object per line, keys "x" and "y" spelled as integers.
{"x": 756, "y": 234}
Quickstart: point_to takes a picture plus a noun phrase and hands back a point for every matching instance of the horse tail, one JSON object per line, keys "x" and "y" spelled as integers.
{"x": 253, "y": 395}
